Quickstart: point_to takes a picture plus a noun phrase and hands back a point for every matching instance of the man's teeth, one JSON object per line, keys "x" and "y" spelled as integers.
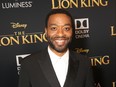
{"x": 59, "y": 41}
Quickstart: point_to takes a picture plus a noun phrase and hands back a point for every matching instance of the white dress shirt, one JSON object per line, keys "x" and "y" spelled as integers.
{"x": 60, "y": 65}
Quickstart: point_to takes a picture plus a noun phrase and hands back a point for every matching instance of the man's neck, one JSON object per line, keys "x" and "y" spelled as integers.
{"x": 60, "y": 54}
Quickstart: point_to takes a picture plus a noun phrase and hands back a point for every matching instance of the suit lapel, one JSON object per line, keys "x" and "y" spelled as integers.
{"x": 47, "y": 68}
{"x": 72, "y": 71}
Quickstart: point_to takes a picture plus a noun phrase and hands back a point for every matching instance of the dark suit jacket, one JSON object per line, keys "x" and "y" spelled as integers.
{"x": 37, "y": 71}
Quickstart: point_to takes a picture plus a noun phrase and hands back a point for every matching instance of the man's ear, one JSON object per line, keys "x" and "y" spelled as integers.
{"x": 45, "y": 31}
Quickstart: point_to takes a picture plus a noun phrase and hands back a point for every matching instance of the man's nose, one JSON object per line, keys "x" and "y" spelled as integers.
{"x": 60, "y": 32}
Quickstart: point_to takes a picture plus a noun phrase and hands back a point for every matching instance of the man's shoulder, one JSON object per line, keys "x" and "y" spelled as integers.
{"x": 74, "y": 53}
{"x": 83, "y": 59}
{"x": 78, "y": 56}
{"x": 35, "y": 56}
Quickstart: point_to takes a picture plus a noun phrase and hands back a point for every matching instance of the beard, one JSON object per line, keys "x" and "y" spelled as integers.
{"x": 59, "y": 44}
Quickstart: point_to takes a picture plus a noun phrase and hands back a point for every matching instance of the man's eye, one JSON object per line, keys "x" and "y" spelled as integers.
{"x": 53, "y": 28}
{"x": 67, "y": 28}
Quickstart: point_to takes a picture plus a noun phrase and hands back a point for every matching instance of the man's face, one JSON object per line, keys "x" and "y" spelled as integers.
{"x": 59, "y": 32}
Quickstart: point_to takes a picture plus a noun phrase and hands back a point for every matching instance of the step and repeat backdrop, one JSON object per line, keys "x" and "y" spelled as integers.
{"x": 22, "y": 33}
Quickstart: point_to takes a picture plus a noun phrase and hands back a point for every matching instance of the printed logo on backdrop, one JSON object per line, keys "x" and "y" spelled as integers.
{"x": 18, "y": 61}
{"x": 56, "y": 4}
{"x": 16, "y": 4}
{"x": 18, "y": 25}
{"x": 113, "y": 31}
{"x": 82, "y": 50}
{"x": 82, "y": 28}
{"x": 20, "y": 36}
{"x": 100, "y": 60}
{"x": 114, "y": 84}
{"x": 98, "y": 85}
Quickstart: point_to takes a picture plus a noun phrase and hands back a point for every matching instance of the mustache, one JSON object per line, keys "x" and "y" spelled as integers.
{"x": 61, "y": 37}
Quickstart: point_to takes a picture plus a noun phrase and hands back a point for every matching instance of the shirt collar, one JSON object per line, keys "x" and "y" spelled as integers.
{"x": 54, "y": 58}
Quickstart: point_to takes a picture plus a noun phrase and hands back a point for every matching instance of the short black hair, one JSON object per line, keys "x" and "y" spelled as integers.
{"x": 58, "y": 11}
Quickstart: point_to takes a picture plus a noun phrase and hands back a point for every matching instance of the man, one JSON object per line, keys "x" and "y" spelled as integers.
{"x": 56, "y": 66}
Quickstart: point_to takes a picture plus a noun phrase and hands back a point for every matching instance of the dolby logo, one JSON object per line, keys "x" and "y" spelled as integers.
{"x": 82, "y": 28}
{"x": 19, "y": 59}
{"x": 82, "y": 23}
